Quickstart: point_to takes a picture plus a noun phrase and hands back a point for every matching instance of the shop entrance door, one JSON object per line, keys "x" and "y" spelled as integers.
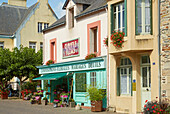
{"x": 145, "y": 85}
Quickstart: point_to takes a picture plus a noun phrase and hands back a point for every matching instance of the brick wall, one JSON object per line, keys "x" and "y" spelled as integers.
{"x": 165, "y": 46}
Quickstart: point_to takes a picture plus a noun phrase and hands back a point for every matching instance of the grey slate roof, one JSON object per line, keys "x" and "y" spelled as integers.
{"x": 11, "y": 17}
{"x": 79, "y": 2}
{"x": 95, "y": 6}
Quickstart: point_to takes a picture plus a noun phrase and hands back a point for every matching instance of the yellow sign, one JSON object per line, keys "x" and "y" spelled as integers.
{"x": 134, "y": 86}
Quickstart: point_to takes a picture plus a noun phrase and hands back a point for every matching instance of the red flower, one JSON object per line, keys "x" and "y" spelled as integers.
{"x": 154, "y": 111}
{"x": 158, "y": 113}
{"x": 144, "y": 105}
{"x": 152, "y": 106}
{"x": 148, "y": 109}
{"x": 146, "y": 101}
{"x": 123, "y": 33}
{"x": 156, "y": 108}
{"x": 160, "y": 110}
{"x": 120, "y": 41}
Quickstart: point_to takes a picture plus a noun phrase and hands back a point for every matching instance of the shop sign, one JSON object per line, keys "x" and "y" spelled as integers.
{"x": 74, "y": 67}
{"x": 70, "y": 48}
{"x": 134, "y": 85}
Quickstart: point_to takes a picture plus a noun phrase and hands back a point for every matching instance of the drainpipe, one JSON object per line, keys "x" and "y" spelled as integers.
{"x": 159, "y": 52}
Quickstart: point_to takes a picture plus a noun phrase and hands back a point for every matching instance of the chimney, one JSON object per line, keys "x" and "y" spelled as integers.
{"x": 18, "y": 2}
{"x": 43, "y": 1}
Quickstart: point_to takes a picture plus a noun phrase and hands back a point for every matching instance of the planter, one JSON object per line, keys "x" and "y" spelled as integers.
{"x": 72, "y": 104}
{"x": 96, "y": 106}
{"x": 4, "y": 95}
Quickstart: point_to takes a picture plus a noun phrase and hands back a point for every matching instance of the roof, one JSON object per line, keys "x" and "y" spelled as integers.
{"x": 95, "y": 6}
{"x": 78, "y": 2}
{"x": 11, "y": 17}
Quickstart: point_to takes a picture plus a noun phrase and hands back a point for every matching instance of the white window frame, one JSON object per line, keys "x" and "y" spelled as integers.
{"x": 2, "y": 45}
{"x": 143, "y": 18}
{"x": 40, "y": 27}
{"x": 93, "y": 79}
{"x": 32, "y": 45}
{"x": 116, "y": 27}
{"x": 46, "y": 25}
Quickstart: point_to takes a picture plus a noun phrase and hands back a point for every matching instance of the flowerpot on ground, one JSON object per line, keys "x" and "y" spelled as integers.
{"x": 4, "y": 95}
{"x": 96, "y": 106}
{"x": 72, "y": 104}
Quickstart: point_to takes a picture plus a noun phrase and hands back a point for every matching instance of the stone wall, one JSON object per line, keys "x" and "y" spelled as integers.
{"x": 165, "y": 46}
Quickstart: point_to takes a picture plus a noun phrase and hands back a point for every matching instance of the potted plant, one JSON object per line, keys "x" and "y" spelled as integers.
{"x": 32, "y": 100}
{"x": 72, "y": 103}
{"x": 105, "y": 42}
{"x": 4, "y": 90}
{"x": 117, "y": 38}
{"x": 90, "y": 56}
{"x": 49, "y": 62}
{"x": 44, "y": 101}
{"x": 96, "y": 96}
{"x": 55, "y": 103}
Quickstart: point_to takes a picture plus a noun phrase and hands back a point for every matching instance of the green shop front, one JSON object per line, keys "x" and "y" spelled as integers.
{"x": 74, "y": 77}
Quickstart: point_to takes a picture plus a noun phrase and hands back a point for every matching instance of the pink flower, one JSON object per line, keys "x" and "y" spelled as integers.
{"x": 154, "y": 111}
{"x": 56, "y": 100}
{"x": 61, "y": 95}
{"x": 55, "y": 92}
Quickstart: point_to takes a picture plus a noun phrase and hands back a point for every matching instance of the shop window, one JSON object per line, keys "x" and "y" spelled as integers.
{"x": 71, "y": 18}
{"x": 143, "y": 16}
{"x": 2, "y": 45}
{"x": 93, "y": 79}
{"x": 80, "y": 82}
{"x": 119, "y": 17}
{"x": 32, "y": 45}
{"x": 124, "y": 77}
{"x": 94, "y": 37}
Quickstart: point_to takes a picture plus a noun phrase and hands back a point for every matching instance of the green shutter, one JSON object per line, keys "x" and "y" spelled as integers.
{"x": 151, "y": 16}
{"x": 111, "y": 21}
{"x": 136, "y": 17}
{"x": 125, "y": 17}
{"x": 118, "y": 81}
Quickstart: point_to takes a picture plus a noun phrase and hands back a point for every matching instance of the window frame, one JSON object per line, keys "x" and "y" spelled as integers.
{"x": 143, "y": 18}
{"x": 41, "y": 45}
{"x": 53, "y": 50}
{"x": 93, "y": 79}
{"x": 2, "y": 45}
{"x": 40, "y": 25}
{"x": 46, "y": 25}
{"x": 32, "y": 45}
{"x": 79, "y": 82}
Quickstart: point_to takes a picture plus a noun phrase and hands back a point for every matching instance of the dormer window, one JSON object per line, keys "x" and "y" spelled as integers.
{"x": 71, "y": 18}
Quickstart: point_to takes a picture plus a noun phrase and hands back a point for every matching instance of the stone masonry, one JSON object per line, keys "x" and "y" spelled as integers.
{"x": 165, "y": 46}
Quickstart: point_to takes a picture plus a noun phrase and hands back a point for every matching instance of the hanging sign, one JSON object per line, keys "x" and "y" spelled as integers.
{"x": 70, "y": 48}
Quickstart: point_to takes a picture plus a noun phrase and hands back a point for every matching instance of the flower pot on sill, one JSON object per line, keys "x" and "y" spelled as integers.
{"x": 96, "y": 106}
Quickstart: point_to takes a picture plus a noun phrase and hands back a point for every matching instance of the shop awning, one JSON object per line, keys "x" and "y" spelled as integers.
{"x": 55, "y": 76}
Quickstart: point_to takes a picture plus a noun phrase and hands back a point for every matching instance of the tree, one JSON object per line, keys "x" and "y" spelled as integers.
{"x": 5, "y": 62}
{"x": 24, "y": 64}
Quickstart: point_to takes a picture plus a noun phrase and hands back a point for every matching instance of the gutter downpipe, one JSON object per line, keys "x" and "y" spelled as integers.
{"x": 159, "y": 52}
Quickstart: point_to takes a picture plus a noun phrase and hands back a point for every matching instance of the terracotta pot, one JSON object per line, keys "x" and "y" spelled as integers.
{"x": 96, "y": 106}
{"x": 4, "y": 95}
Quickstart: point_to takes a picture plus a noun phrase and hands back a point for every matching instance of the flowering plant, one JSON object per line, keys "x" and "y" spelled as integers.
{"x": 90, "y": 56}
{"x": 49, "y": 62}
{"x": 105, "y": 41}
{"x": 56, "y": 101}
{"x": 64, "y": 95}
{"x": 117, "y": 38}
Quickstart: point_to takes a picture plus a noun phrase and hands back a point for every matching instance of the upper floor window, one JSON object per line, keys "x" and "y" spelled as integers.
{"x": 41, "y": 45}
{"x": 46, "y": 25}
{"x": 93, "y": 40}
{"x": 2, "y": 45}
{"x": 71, "y": 17}
{"x": 39, "y": 27}
{"x": 53, "y": 50}
{"x": 143, "y": 16}
{"x": 119, "y": 18}
{"x": 32, "y": 45}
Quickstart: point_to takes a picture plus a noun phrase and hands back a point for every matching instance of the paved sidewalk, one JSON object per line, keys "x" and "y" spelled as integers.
{"x": 19, "y": 106}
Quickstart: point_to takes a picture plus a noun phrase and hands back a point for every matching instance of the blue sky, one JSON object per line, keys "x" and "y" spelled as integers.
{"x": 55, "y": 4}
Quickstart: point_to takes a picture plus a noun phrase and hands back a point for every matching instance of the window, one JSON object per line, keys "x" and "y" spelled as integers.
{"x": 32, "y": 45}
{"x": 143, "y": 16}
{"x": 93, "y": 79}
{"x": 80, "y": 82}
{"x": 119, "y": 17}
{"x": 93, "y": 40}
{"x": 46, "y": 25}
{"x": 2, "y": 45}
{"x": 41, "y": 45}
{"x": 71, "y": 18}
{"x": 124, "y": 77}
{"x": 53, "y": 50}
{"x": 94, "y": 37}
{"x": 39, "y": 27}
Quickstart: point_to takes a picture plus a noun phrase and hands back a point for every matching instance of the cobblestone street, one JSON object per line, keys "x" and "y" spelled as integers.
{"x": 24, "y": 107}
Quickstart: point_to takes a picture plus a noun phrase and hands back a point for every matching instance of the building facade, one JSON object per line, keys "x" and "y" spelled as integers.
{"x": 68, "y": 41}
{"x": 133, "y": 69}
{"x": 165, "y": 48}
